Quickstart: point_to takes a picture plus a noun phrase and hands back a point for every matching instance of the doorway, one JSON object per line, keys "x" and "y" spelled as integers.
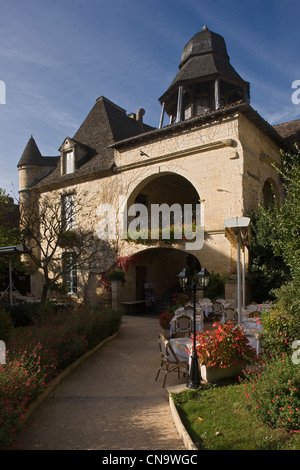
{"x": 140, "y": 280}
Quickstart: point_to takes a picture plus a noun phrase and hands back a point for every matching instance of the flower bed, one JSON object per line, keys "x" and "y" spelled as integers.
{"x": 37, "y": 354}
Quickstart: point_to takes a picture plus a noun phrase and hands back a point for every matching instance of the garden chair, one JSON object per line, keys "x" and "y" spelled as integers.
{"x": 218, "y": 310}
{"x": 170, "y": 362}
{"x": 230, "y": 314}
{"x": 183, "y": 326}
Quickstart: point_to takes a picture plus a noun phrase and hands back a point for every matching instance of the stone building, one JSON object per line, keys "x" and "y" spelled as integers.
{"x": 214, "y": 155}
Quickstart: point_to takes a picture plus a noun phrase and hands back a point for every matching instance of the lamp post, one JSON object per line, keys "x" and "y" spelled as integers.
{"x": 195, "y": 282}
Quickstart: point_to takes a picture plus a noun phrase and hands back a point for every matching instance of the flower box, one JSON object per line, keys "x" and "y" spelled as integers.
{"x": 223, "y": 352}
{"x": 215, "y": 374}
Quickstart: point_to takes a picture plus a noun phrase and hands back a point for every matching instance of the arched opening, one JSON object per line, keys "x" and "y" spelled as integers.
{"x": 166, "y": 188}
{"x": 165, "y": 199}
{"x": 153, "y": 276}
{"x": 270, "y": 192}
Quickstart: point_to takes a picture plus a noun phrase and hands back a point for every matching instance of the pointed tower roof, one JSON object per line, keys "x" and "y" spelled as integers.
{"x": 204, "y": 57}
{"x": 31, "y": 154}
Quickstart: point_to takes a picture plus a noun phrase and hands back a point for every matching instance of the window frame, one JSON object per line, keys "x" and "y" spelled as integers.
{"x": 70, "y": 277}
{"x": 68, "y": 211}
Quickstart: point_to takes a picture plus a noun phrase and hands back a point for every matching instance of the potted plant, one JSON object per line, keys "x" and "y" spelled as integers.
{"x": 116, "y": 274}
{"x": 223, "y": 351}
{"x": 68, "y": 239}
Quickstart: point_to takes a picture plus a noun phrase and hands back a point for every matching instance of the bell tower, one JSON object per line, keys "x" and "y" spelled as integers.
{"x": 206, "y": 80}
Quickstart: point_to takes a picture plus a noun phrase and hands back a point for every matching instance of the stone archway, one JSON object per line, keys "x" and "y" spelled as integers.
{"x": 159, "y": 265}
{"x": 165, "y": 187}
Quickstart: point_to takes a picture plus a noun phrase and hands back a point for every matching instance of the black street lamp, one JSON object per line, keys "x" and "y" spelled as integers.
{"x": 195, "y": 282}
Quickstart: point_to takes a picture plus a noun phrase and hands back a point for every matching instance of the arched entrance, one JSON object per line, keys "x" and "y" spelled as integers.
{"x": 153, "y": 274}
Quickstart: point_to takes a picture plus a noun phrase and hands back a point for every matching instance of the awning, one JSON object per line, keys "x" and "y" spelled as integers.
{"x": 9, "y": 250}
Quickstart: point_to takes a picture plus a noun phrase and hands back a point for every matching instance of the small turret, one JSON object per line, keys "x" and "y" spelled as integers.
{"x": 33, "y": 165}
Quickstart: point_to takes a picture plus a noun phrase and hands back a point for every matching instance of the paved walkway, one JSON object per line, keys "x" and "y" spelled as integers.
{"x": 111, "y": 401}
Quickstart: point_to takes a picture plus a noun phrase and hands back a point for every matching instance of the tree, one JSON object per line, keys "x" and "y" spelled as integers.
{"x": 286, "y": 223}
{"x": 267, "y": 270}
{"x": 55, "y": 243}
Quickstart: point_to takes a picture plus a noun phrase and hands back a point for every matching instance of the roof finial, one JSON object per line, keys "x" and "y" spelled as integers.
{"x": 205, "y": 28}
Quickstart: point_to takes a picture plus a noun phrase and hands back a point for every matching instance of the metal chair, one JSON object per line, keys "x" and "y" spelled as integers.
{"x": 183, "y": 326}
{"x": 169, "y": 360}
{"x": 230, "y": 314}
{"x": 218, "y": 310}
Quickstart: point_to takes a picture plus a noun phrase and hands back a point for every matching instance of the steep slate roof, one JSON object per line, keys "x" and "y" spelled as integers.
{"x": 290, "y": 131}
{"x": 105, "y": 124}
{"x": 204, "y": 56}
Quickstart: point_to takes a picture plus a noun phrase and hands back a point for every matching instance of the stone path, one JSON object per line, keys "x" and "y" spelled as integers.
{"x": 111, "y": 401}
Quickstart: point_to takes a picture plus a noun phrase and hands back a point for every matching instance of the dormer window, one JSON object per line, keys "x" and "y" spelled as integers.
{"x": 69, "y": 162}
{"x": 73, "y": 155}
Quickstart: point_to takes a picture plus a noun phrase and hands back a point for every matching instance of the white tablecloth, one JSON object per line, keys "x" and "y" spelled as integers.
{"x": 180, "y": 347}
{"x": 252, "y": 327}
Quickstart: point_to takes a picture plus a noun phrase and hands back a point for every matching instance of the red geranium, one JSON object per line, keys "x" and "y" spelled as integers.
{"x": 223, "y": 346}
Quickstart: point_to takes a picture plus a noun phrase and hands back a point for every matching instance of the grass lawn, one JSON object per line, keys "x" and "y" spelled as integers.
{"x": 219, "y": 418}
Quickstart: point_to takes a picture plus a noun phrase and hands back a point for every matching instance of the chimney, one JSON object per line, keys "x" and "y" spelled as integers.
{"x": 139, "y": 118}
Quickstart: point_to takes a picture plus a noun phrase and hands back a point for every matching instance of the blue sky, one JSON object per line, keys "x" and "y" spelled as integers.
{"x": 58, "y": 56}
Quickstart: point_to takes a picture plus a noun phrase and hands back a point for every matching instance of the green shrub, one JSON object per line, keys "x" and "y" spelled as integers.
{"x": 216, "y": 287}
{"x": 23, "y": 314}
{"x": 274, "y": 394}
{"x": 282, "y": 323}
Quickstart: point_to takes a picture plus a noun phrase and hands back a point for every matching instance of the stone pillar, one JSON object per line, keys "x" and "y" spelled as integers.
{"x": 116, "y": 295}
{"x": 217, "y": 94}
{"x": 179, "y": 104}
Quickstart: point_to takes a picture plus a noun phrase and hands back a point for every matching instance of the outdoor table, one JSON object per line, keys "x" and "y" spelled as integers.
{"x": 180, "y": 346}
{"x": 252, "y": 336}
{"x": 252, "y": 327}
{"x": 207, "y": 308}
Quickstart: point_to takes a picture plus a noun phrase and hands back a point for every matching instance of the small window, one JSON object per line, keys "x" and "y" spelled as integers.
{"x": 69, "y": 162}
{"x": 68, "y": 212}
{"x": 70, "y": 273}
